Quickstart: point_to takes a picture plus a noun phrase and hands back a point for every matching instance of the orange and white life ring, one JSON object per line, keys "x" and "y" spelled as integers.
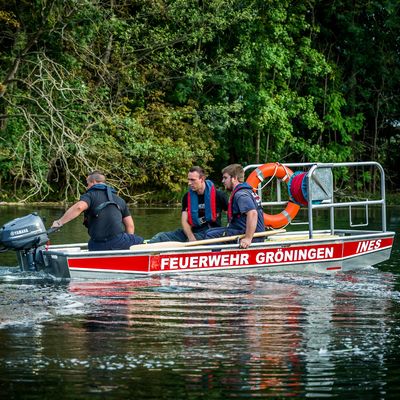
{"x": 281, "y": 172}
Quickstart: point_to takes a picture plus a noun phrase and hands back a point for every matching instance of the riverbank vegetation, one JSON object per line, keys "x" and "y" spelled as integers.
{"x": 145, "y": 89}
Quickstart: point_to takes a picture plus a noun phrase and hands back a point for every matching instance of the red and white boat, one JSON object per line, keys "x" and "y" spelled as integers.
{"x": 326, "y": 249}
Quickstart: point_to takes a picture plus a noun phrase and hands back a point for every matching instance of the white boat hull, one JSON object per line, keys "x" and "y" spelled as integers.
{"x": 328, "y": 255}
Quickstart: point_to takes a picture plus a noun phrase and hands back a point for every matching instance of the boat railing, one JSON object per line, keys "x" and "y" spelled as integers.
{"x": 329, "y": 202}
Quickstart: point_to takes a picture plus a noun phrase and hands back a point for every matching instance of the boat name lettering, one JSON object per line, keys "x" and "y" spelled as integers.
{"x": 290, "y": 255}
{"x": 242, "y": 259}
{"x": 205, "y": 261}
{"x": 368, "y": 245}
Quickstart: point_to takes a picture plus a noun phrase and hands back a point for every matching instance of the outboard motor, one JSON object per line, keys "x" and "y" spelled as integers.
{"x": 24, "y": 235}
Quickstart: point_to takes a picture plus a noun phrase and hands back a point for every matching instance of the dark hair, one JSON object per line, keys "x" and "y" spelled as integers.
{"x": 235, "y": 171}
{"x": 199, "y": 170}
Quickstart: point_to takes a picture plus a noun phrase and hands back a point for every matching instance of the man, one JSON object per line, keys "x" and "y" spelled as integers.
{"x": 201, "y": 209}
{"x": 245, "y": 214}
{"x": 109, "y": 222}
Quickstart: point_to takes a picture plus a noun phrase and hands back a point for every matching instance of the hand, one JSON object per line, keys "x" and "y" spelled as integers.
{"x": 57, "y": 224}
{"x": 245, "y": 243}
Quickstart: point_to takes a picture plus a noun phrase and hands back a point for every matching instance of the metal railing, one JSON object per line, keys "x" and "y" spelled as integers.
{"x": 330, "y": 203}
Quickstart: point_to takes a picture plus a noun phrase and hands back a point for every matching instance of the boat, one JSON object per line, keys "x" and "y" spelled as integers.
{"x": 325, "y": 249}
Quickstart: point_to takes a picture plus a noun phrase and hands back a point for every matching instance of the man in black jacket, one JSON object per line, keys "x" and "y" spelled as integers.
{"x": 107, "y": 217}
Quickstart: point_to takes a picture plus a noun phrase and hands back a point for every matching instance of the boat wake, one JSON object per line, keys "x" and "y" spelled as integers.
{"x": 30, "y": 298}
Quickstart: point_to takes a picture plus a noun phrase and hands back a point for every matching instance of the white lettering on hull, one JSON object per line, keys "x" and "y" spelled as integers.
{"x": 285, "y": 256}
{"x": 242, "y": 259}
{"x": 204, "y": 261}
{"x": 368, "y": 245}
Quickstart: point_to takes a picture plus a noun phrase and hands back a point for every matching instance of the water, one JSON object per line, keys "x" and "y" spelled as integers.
{"x": 208, "y": 336}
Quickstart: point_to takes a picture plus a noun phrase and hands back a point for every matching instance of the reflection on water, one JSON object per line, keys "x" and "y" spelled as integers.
{"x": 196, "y": 336}
{"x": 227, "y": 335}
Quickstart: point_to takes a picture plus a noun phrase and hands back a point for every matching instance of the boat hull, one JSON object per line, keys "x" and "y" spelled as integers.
{"x": 311, "y": 255}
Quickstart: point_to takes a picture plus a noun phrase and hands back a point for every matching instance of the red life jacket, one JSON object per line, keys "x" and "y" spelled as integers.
{"x": 238, "y": 187}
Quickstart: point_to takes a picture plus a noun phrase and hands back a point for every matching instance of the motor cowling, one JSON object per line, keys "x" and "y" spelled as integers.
{"x": 24, "y": 233}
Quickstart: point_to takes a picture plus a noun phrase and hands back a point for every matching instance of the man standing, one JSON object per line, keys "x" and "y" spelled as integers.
{"x": 245, "y": 214}
{"x": 107, "y": 217}
{"x": 202, "y": 206}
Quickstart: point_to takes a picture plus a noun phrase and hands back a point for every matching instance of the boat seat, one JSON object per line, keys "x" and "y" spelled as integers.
{"x": 302, "y": 237}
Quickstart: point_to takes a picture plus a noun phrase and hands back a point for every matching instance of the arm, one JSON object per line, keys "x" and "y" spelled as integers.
{"x": 251, "y": 225}
{"x": 129, "y": 224}
{"x": 186, "y": 227}
{"x": 71, "y": 214}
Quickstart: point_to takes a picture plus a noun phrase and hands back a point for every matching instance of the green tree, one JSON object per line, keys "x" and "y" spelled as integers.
{"x": 362, "y": 39}
{"x": 74, "y": 98}
{"x": 143, "y": 90}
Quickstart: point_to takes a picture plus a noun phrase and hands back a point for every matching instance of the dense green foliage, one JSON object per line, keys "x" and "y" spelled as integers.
{"x": 145, "y": 89}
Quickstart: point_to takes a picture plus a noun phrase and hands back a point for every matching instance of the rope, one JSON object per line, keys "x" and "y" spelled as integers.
{"x": 296, "y": 188}
{"x": 271, "y": 177}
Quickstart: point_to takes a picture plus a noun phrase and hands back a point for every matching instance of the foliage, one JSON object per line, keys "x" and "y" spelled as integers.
{"x": 363, "y": 41}
{"x": 144, "y": 90}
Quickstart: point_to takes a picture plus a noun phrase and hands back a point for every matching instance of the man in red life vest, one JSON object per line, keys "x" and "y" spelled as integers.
{"x": 245, "y": 214}
{"x": 202, "y": 206}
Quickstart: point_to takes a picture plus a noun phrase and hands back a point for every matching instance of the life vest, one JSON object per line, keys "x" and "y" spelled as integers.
{"x": 109, "y": 190}
{"x": 238, "y": 187}
{"x": 210, "y": 205}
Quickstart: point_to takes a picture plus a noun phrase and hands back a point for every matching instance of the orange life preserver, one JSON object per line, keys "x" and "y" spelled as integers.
{"x": 281, "y": 172}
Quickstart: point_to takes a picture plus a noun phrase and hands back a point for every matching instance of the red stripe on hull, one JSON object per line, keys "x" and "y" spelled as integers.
{"x": 256, "y": 257}
{"x": 246, "y": 258}
{"x": 366, "y": 246}
{"x": 127, "y": 263}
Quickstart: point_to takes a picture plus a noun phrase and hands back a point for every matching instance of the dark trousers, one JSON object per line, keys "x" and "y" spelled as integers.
{"x": 123, "y": 241}
{"x": 176, "y": 236}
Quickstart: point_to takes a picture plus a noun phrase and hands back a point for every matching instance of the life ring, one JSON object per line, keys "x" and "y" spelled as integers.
{"x": 281, "y": 172}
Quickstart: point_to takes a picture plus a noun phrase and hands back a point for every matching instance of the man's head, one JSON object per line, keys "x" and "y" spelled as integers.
{"x": 232, "y": 175}
{"x": 196, "y": 179}
{"x": 94, "y": 178}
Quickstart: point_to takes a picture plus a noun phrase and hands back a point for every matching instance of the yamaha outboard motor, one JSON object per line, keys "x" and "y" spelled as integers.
{"x": 25, "y": 235}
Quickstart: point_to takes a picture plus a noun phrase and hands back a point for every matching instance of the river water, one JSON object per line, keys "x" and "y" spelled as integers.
{"x": 199, "y": 336}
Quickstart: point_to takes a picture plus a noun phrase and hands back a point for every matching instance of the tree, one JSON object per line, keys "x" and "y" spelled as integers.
{"x": 143, "y": 90}
{"x": 362, "y": 39}
{"x": 73, "y": 101}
